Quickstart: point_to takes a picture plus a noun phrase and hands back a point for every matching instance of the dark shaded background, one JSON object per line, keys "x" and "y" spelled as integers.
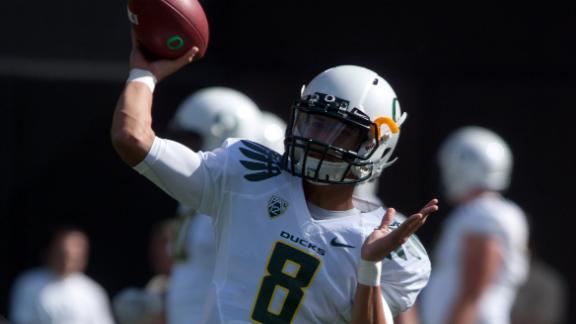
{"x": 63, "y": 65}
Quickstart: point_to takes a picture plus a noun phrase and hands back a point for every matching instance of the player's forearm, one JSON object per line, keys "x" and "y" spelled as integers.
{"x": 464, "y": 311}
{"x": 409, "y": 316}
{"x": 131, "y": 132}
{"x": 481, "y": 261}
{"x": 368, "y": 307}
{"x": 466, "y": 304}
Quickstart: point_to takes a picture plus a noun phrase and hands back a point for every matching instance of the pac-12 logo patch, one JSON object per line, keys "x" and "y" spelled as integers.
{"x": 276, "y": 206}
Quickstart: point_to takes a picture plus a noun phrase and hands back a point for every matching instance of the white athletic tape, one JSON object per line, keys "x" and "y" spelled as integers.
{"x": 144, "y": 76}
{"x": 369, "y": 273}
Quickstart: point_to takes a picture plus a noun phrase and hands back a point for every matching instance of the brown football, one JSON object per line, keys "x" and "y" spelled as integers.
{"x": 169, "y": 28}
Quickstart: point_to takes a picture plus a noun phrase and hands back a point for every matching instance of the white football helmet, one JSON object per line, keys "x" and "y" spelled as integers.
{"x": 344, "y": 127}
{"x": 474, "y": 158}
{"x": 273, "y": 131}
{"x": 217, "y": 113}
{"x": 368, "y": 190}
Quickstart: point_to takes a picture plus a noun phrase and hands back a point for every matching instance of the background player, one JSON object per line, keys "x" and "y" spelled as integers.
{"x": 60, "y": 291}
{"x": 146, "y": 305}
{"x": 481, "y": 256}
{"x": 203, "y": 121}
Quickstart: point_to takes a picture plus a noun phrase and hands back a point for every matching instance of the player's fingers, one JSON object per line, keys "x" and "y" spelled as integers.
{"x": 430, "y": 207}
{"x": 187, "y": 58}
{"x": 432, "y": 202}
{"x": 411, "y": 225}
{"x": 191, "y": 54}
{"x": 428, "y": 210}
{"x": 387, "y": 219}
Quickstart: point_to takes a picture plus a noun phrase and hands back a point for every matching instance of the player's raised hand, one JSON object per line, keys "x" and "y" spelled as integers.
{"x": 161, "y": 68}
{"x": 384, "y": 240}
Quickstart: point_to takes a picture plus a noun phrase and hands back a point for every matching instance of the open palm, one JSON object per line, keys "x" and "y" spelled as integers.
{"x": 382, "y": 240}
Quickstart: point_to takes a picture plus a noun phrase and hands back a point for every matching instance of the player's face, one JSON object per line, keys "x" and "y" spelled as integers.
{"x": 70, "y": 253}
{"x": 328, "y": 130}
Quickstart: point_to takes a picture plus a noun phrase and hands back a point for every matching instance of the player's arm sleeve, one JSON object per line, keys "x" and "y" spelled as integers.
{"x": 192, "y": 178}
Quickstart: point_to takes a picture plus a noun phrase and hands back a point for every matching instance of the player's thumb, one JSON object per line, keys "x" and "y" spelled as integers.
{"x": 190, "y": 55}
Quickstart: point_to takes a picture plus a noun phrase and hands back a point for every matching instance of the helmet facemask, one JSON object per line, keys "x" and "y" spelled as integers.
{"x": 328, "y": 143}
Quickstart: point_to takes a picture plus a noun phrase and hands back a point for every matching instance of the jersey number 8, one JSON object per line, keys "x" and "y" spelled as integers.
{"x": 288, "y": 273}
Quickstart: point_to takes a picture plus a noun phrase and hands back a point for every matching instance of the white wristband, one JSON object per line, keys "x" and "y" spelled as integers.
{"x": 144, "y": 76}
{"x": 369, "y": 273}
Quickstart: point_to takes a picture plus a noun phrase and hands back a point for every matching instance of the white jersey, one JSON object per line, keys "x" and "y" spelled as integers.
{"x": 275, "y": 263}
{"x": 494, "y": 216}
{"x": 74, "y": 299}
{"x": 192, "y": 270}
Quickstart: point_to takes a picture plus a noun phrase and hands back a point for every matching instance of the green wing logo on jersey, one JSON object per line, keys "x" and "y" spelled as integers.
{"x": 276, "y": 206}
{"x": 264, "y": 162}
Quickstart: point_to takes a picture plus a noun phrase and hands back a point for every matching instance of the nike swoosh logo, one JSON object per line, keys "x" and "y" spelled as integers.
{"x": 334, "y": 242}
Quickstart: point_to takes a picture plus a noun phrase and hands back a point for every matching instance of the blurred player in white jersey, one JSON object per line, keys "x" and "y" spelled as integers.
{"x": 273, "y": 129}
{"x": 61, "y": 291}
{"x": 202, "y": 122}
{"x": 292, "y": 244}
{"x": 145, "y": 305}
{"x": 481, "y": 257}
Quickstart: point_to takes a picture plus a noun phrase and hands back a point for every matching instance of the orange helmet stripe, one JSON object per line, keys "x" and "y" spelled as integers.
{"x": 389, "y": 122}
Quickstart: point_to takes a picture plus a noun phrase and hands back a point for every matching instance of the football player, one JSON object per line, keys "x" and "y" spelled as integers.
{"x": 146, "y": 305}
{"x": 481, "y": 256}
{"x": 60, "y": 291}
{"x": 292, "y": 244}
